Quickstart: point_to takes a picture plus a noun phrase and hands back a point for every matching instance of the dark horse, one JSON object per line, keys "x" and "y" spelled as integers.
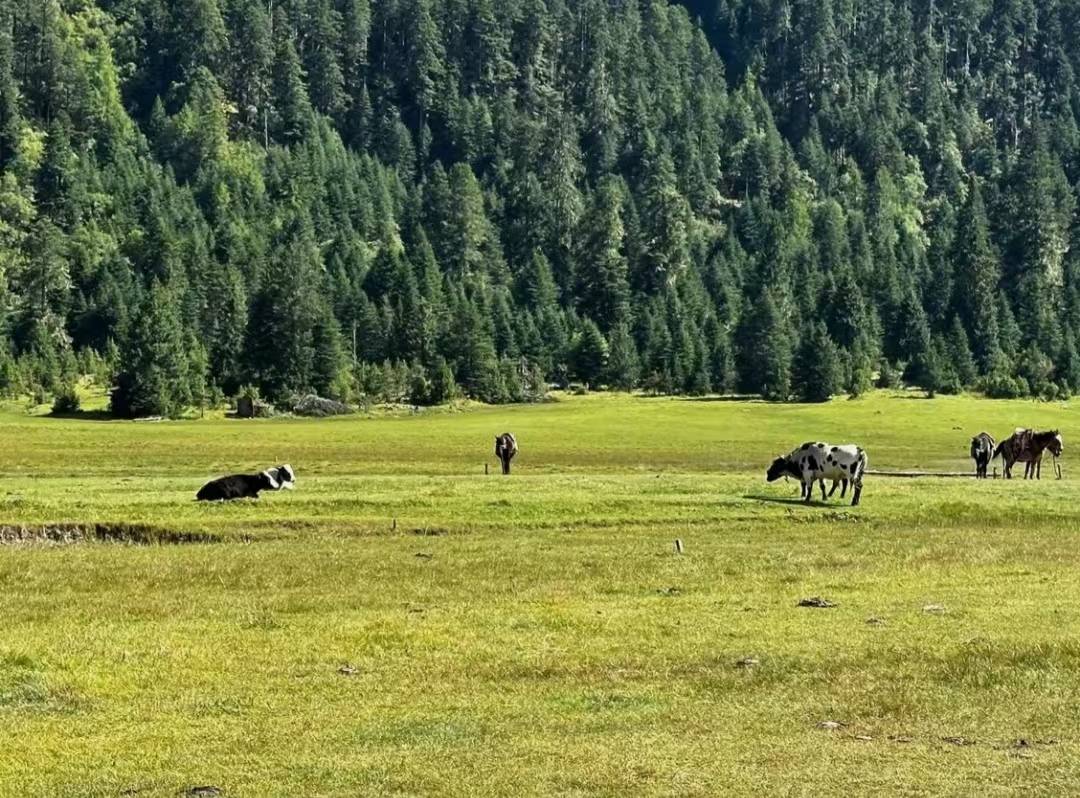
{"x": 505, "y": 449}
{"x": 982, "y": 452}
{"x": 1027, "y": 446}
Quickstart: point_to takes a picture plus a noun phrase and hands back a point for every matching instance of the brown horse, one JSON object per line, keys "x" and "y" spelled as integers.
{"x": 1027, "y": 446}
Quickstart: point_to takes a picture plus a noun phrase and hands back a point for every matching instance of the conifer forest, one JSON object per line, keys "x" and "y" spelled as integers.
{"x": 414, "y": 200}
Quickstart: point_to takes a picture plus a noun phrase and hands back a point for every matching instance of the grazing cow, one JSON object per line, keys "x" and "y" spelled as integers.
{"x": 237, "y": 486}
{"x": 982, "y": 452}
{"x": 1026, "y": 446}
{"x": 818, "y": 462}
{"x": 505, "y": 449}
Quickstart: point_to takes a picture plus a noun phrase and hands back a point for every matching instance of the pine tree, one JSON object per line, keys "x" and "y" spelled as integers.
{"x": 978, "y": 273}
{"x": 958, "y": 351}
{"x": 328, "y": 365}
{"x": 601, "y": 287}
{"x": 292, "y": 118}
{"x": 280, "y": 351}
{"x": 816, "y": 370}
{"x": 251, "y": 56}
{"x": 154, "y": 377}
{"x": 765, "y": 350}
{"x": 589, "y": 353}
{"x": 623, "y": 367}
{"x": 425, "y": 57}
{"x": 325, "y": 76}
{"x": 10, "y": 117}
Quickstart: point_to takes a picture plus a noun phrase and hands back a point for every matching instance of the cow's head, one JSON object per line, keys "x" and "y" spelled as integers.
{"x": 286, "y": 476}
{"x": 1056, "y": 445}
{"x": 780, "y": 466}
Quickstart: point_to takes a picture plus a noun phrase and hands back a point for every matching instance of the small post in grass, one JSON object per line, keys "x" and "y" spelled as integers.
{"x": 485, "y": 469}
{"x": 678, "y": 546}
{"x": 393, "y": 526}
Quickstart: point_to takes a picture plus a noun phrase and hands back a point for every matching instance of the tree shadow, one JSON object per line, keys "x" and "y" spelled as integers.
{"x": 84, "y": 415}
{"x": 748, "y": 399}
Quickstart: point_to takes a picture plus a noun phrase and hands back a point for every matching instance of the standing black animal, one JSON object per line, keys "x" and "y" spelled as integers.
{"x": 982, "y": 452}
{"x": 505, "y": 449}
{"x": 237, "y": 486}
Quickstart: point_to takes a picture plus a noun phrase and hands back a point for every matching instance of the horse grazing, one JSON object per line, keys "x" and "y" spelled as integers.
{"x": 505, "y": 449}
{"x": 1027, "y": 446}
{"x": 982, "y": 452}
{"x": 818, "y": 462}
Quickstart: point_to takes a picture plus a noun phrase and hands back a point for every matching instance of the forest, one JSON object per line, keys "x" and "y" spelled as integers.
{"x": 414, "y": 200}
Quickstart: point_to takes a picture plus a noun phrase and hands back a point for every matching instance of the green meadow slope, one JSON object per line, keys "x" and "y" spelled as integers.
{"x": 404, "y": 624}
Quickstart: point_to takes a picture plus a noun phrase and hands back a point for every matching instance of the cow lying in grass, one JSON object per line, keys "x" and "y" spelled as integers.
{"x": 247, "y": 486}
{"x": 818, "y": 462}
{"x": 285, "y": 476}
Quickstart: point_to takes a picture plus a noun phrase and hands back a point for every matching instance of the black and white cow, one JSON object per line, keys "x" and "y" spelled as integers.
{"x": 982, "y": 452}
{"x": 244, "y": 486}
{"x": 505, "y": 449}
{"x": 821, "y": 462}
{"x": 284, "y": 475}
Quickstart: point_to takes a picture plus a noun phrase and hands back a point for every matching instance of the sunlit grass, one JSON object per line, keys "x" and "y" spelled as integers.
{"x": 404, "y": 624}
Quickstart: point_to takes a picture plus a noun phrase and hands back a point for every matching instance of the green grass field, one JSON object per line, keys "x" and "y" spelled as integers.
{"x": 402, "y": 624}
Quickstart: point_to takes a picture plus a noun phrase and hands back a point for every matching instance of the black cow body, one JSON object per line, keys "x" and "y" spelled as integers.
{"x": 982, "y": 452}
{"x": 505, "y": 449}
{"x": 237, "y": 486}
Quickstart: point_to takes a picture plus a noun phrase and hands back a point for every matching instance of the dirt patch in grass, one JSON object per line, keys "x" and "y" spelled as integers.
{"x": 67, "y": 534}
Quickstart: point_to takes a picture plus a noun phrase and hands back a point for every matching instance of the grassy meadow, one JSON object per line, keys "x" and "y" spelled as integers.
{"x": 403, "y": 624}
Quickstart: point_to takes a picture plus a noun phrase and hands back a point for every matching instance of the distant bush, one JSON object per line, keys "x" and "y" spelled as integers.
{"x": 66, "y": 401}
{"x": 889, "y": 376}
{"x": 1003, "y": 386}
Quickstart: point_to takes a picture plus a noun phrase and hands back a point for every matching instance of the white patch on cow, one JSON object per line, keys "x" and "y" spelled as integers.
{"x": 274, "y": 484}
{"x": 831, "y": 464}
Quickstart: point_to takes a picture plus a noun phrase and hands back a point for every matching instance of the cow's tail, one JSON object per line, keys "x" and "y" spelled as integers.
{"x": 1000, "y": 448}
{"x": 864, "y": 464}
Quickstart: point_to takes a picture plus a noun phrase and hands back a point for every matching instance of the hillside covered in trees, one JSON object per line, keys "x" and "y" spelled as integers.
{"x": 404, "y": 199}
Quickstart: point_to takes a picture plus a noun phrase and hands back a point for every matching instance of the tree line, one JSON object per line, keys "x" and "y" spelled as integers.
{"x": 410, "y": 200}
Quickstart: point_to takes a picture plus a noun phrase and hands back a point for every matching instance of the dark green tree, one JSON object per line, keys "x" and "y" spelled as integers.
{"x": 765, "y": 354}
{"x": 816, "y": 370}
{"x": 154, "y": 377}
{"x": 589, "y": 353}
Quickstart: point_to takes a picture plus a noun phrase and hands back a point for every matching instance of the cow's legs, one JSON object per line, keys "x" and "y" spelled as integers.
{"x": 822, "y": 483}
{"x": 809, "y": 486}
